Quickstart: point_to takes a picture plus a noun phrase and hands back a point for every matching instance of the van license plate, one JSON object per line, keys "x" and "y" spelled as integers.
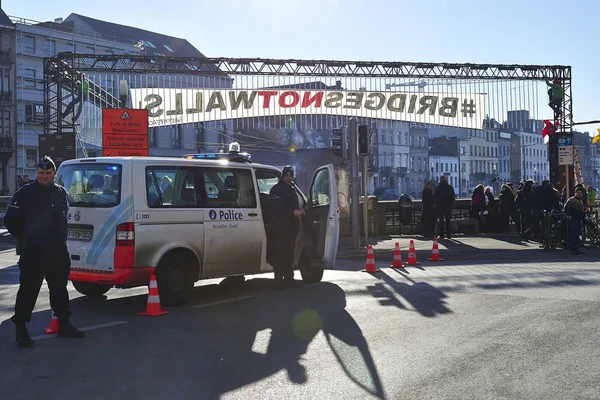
{"x": 79, "y": 235}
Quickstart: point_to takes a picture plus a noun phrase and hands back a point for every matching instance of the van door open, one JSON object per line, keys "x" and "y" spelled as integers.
{"x": 323, "y": 218}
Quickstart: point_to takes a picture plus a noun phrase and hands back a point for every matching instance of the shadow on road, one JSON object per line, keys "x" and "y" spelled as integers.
{"x": 195, "y": 350}
{"x": 426, "y": 299}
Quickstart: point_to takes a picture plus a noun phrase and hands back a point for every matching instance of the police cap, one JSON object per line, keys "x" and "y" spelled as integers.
{"x": 46, "y": 163}
{"x": 288, "y": 170}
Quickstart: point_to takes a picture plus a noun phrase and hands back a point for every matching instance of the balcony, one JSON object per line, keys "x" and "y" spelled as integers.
{"x": 5, "y": 56}
{"x": 386, "y": 171}
{"x": 6, "y": 97}
{"x": 6, "y": 144}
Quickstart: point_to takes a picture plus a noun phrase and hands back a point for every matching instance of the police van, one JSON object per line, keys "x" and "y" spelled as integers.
{"x": 190, "y": 218}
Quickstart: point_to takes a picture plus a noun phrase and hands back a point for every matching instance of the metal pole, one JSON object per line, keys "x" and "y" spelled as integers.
{"x": 354, "y": 187}
{"x": 459, "y": 176}
{"x": 366, "y": 191}
{"x": 567, "y": 173}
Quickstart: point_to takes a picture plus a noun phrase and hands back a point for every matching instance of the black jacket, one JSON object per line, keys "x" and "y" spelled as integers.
{"x": 444, "y": 197}
{"x": 575, "y": 209}
{"x": 428, "y": 203}
{"x": 284, "y": 201}
{"x": 38, "y": 215}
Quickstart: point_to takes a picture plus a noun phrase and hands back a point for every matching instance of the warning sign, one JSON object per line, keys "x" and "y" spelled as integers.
{"x": 124, "y": 132}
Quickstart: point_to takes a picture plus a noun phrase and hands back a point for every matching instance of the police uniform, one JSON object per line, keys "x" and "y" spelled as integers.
{"x": 37, "y": 216}
{"x": 284, "y": 201}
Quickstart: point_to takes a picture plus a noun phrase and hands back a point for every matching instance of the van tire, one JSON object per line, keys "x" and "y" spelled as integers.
{"x": 309, "y": 273}
{"x": 174, "y": 279}
{"x": 91, "y": 289}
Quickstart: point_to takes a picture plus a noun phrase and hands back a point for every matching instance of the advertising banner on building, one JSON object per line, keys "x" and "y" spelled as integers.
{"x": 182, "y": 106}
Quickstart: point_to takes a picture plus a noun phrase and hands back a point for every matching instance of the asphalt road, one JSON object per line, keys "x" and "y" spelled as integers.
{"x": 525, "y": 328}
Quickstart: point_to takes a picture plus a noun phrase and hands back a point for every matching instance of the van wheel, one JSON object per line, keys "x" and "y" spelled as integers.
{"x": 91, "y": 289}
{"x": 174, "y": 280}
{"x": 309, "y": 273}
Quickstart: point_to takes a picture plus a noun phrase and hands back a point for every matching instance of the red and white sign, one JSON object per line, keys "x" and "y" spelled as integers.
{"x": 124, "y": 132}
{"x": 182, "y": 106}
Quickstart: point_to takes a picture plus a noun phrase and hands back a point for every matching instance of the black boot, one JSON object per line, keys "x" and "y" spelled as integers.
{"x": 66, "y": 329}
{"x": 22, "y": 335}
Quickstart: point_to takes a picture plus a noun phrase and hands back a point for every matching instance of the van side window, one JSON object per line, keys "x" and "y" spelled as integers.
{"x": 174, "y": 187}
{"x": 229, "y": 188}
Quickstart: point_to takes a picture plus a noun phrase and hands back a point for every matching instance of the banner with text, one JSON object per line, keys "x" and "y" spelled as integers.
{"x": 182, "y": 106}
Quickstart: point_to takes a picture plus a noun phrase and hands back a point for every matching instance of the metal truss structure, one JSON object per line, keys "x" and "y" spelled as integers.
{"x": 63, "y": 78}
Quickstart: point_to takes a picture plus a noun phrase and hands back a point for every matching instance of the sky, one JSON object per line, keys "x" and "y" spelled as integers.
{"x": 551, "y": 32}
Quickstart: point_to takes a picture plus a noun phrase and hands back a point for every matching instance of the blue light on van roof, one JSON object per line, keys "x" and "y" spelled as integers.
{"x": 235, "y": 157}
{"x": 114, "y": 168}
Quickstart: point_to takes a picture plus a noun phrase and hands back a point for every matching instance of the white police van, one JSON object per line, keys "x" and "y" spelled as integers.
{"x": 197, "y": 217}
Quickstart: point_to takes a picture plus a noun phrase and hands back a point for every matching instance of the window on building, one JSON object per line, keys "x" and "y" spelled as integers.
{"x": 176, "y": 136}
{"x": 168, "y": 48}
{"x": 31, "y": 158}
{"x": 152, "y": 136}
{"x": 5, "y": 80}
{"x": 50, "y": 48}
{"x": 29, "y": 44}
{"x": 29, "y": 78}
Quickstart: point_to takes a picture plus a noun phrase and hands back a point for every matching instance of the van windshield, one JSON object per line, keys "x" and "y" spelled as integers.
{"x": 91, "y": 185}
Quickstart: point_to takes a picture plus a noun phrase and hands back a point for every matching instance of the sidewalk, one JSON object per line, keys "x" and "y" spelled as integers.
{"x": 496, "y": 246}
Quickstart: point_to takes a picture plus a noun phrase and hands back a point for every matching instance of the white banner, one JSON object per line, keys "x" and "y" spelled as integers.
{"x": 182, "y": 106}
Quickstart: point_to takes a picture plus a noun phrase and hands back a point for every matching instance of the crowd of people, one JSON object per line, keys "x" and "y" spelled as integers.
{"x": 524, "y": 205}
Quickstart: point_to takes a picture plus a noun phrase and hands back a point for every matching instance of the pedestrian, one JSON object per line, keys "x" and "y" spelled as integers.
{"x": 591, "y": 195}
{"x": 26, "y": 180}
{"x": 478, "y": 206}
{"x": 428, "y": 216}
{"x": 37, "y": 216}
{"x": 444, "y": 199}
{"x": 508, "y": 209}
{"x": 286, "y": 213}
{"x": 575, "y": 211}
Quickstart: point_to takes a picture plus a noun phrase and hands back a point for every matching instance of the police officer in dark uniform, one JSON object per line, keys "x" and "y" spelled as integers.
{"x": 37, "y": 216}
{"x": 284, "y": 203}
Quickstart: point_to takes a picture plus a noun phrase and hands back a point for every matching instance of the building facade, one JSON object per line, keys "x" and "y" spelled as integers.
{"x": 7, "y": 103}
{"x": 79, "y": 34}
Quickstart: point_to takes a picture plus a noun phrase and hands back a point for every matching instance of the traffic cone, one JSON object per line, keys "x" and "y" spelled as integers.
{"x": 153, "y": 307}
{"x": 370, "y": 267}
{"x": 53, "y": 327}
{"x": 397, "y": 263}
{"x": 435, "y": 252}
{"x": 412, "y": 254}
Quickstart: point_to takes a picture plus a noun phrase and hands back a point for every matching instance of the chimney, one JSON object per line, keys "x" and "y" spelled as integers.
{"x": 56, "y": 20}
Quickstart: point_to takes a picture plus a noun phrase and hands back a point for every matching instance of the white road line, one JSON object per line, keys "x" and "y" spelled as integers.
{"x": 87, "y": 328}
{"x": 216, "y": 303}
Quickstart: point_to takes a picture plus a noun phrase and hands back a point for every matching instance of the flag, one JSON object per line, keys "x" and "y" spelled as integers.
{"x": 596, "y": 138}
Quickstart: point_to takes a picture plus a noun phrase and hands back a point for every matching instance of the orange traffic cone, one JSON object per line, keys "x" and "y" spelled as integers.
{"x": 370, "y": 267}
{"x": 153, "y": 307}
{"x": 435, "y": 252}
{"x": 397, "y": 263}
{"x": 412, "y": 254}
{"x": 53, "y": 327}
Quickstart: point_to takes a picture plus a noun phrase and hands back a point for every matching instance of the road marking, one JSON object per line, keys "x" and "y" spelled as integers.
{"x": 216, "y": 303}
{"x": 87, "y": 328}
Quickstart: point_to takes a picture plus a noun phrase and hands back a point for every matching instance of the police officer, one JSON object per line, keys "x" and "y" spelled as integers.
{"x": 37, "y": 216}
{"x": 284, "y": 202}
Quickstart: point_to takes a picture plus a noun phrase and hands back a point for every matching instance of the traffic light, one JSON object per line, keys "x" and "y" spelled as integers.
{"x": 339, "y": 143}
{"x": 364, "y": 145}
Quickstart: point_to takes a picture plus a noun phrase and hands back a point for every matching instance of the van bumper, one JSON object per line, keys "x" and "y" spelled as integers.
{"x": 127, "y": 277}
